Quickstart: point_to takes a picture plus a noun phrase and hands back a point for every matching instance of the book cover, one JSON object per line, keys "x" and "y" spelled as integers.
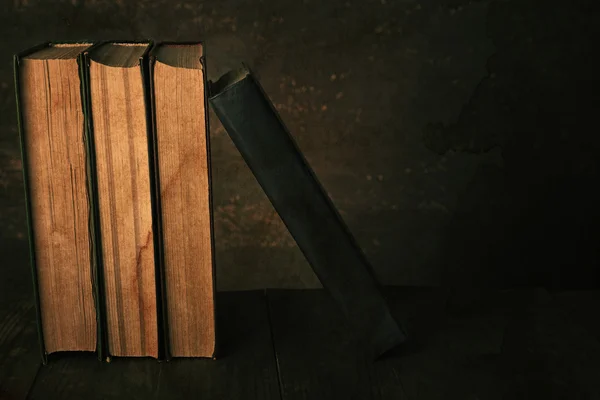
{"x": 202, "y": 209}
{"x": 27, "y": 177}
{"x": 313, "y": 221}
{"x": 115, "y": 324}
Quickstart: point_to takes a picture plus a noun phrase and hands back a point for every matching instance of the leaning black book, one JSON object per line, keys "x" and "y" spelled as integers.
{"x": 279, "y": 167}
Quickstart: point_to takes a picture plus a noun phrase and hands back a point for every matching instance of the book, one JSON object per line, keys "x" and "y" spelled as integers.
{"x": 49, "y": 84}
{"x": 183, "y": 181}
{"x": 119, "y": 126}
{"x": 269, "y": 150}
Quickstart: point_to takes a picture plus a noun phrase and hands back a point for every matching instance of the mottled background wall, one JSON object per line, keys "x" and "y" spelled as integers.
{"x": 456, "y": 137}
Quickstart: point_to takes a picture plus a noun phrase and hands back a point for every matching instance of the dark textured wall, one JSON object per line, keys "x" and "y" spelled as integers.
{"x": 456, "y": 137}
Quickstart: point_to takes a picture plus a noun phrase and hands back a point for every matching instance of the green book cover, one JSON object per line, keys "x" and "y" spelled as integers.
{"x": 142, "y": 62}
{"x": 164, "y": 320}
{"x": 21, "y": 114}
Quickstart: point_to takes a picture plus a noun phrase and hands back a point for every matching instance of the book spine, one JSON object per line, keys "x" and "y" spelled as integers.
{"x": 105, "y": 353}
{"x": 286, "y": 178}
{"x": 158, "y": 215}
{"x": 94, "y": 222}
{"x": 210, "y": 199}
{"x": 164, "y": 353}
{"x": 32, "y": 258}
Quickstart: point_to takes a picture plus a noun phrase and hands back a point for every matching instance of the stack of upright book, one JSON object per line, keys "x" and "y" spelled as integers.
{"x": 115, "y": 151}
{"x": 115, "y": 143}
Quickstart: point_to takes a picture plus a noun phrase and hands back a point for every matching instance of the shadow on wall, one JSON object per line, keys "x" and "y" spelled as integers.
{"x": 535, "y": 221}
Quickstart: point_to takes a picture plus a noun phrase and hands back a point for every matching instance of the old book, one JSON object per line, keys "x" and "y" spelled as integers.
{"x": 119, "y": 127}
{"x": 184, "y": 197}
{"x": 292, "y": 187}
{"x": 49, "y": 84}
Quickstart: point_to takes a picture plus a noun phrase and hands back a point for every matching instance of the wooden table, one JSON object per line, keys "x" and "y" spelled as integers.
{"x": 292, "y": 344}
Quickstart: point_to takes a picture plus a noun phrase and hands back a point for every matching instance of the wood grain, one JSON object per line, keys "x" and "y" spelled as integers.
{"x": 53, "y": 129}
{"x": 19, "y": 347}
{"x": 20, "y": 356}
{"x": 184, "y": 196}
{"x": 480, "y": 344}
{"x": 247, "y": 369}
{"x": 121, "y": 145}
{"x": 246, "y": 366}
{"x": 78, "y": 376}
{"x": 518, "y": 344}
{"x": 317, "y": 355}
{"x": 318, "y": 358}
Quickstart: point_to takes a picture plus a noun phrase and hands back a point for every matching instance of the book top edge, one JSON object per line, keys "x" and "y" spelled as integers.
{"x": 119, "y": 54}
{"x": 228, "y": 80}
{"x": 179, "y": 55}
{"x": 58, "y": 51}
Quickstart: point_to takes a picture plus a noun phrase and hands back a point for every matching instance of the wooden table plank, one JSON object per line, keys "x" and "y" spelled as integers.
{"x": 486, "y": 345}
{"x": 548, "y": 354}
{"x": 245, "y": 367}
{"x": 19, "y": 350}
{"x": 457, "y": 344}
{"x": 513, "y": 344}
{"x": 20, "y": 356}
{"x": 245, "y": 370}
{"x": 317, "y": 357}
{"x": 464, "y": 345}
{"x": 82, "y": 376}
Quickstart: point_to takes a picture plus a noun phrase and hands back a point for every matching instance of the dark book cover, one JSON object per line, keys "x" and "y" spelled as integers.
{"x": 290, "y": 184}
{"x": 143, "y": 63}
{"x": 166, "y": 355}
{"x": 91, "y": 223}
